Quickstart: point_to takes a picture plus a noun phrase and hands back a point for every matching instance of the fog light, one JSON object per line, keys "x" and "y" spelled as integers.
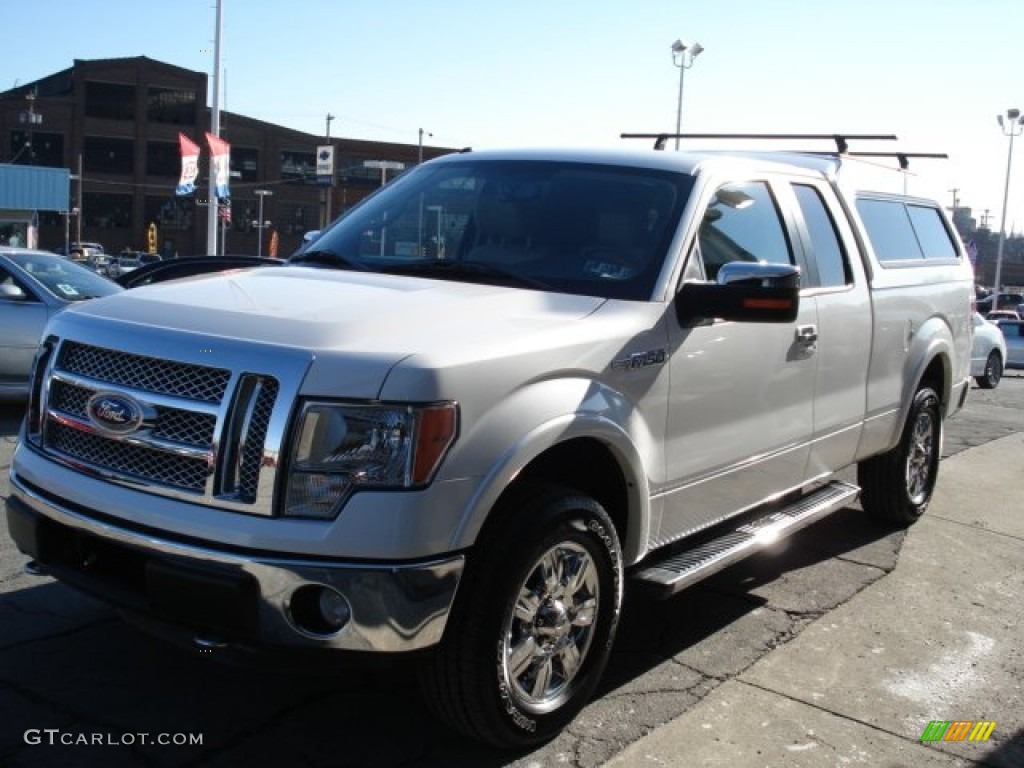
{"x": 334, "y": 609}
{"x": 318, "y": 610}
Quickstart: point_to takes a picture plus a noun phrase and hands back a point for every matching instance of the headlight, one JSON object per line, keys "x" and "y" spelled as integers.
{"x": 342, "y": 448}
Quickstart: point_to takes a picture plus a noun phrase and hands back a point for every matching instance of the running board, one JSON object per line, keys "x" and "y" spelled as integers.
{"x": 682, "y": 569}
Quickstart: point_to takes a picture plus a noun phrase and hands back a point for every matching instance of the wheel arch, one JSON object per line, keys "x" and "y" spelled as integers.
{"x": 596, "y": 459}
{"x": 930, "y": 362}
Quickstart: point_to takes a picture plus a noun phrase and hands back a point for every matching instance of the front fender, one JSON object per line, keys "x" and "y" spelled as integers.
{"x": 545, "y": 414}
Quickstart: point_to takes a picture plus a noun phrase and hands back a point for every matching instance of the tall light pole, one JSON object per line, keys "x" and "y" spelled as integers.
{"x": 211, "y": 219}
{"x": 683, "y": 55}
{"x": 260, "y": 225}
{"x": 1012, "y": 126}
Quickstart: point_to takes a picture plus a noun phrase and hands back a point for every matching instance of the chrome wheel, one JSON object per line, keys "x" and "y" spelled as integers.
{"x": 920, "y": 457}
{"x": 549, "y": 630}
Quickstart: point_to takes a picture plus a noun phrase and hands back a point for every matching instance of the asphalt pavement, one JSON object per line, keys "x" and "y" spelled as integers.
{"x": 838, "y": 649}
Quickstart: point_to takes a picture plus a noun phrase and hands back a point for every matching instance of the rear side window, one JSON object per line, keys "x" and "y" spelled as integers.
{"x": 901, "y": 231}
{"x": 931, "y": 233}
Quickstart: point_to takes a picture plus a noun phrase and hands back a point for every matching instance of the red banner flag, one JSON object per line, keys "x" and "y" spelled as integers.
{"x": 220, "y": 158}
{"x": 189, "y": 165}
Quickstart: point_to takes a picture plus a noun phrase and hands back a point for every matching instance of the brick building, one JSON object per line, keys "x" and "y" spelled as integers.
{"x": 115, "y": 122}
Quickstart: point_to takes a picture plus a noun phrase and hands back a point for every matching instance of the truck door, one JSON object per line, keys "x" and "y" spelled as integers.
{"x": 741, "y": 400}
{"x": 835, "y": 282}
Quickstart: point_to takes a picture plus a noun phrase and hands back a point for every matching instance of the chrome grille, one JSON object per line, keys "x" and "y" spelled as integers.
{"x": 133, "y": 461}
{"x": 252, "y": 455}
{"x": 195, "y": 382}
{"x": 203, "y": 432}
{"x": 185, "y": 426}
{"x": 69, "y": 399}
{"x": 180, "y": 426}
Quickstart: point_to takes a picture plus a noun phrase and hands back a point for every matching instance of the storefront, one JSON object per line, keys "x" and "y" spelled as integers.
{"x": 26, "y": 193}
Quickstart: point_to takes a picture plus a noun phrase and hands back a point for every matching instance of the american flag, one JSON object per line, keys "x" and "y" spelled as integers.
{"x": 224, "y": 211}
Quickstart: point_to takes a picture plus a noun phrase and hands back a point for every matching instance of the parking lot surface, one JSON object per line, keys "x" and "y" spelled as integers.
{"x": 79, "y": 687}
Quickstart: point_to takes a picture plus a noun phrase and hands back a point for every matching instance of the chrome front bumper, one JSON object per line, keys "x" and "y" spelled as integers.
{"x": 240, "y": 597}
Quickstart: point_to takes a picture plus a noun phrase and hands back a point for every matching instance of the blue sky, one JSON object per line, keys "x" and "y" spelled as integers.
{"x": 487, "y": 73}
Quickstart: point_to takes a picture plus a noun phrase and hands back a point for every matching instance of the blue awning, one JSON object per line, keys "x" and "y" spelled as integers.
{"x": 32, "y": 188}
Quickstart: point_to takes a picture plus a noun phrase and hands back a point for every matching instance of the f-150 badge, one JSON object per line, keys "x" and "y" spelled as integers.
{"x": 641, "y": 359}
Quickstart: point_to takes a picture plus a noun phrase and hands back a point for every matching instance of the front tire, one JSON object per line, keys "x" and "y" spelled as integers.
{"x": 896, "y": 486}
{"x": 533, "y": 622}
{"x": 993, "y": 371}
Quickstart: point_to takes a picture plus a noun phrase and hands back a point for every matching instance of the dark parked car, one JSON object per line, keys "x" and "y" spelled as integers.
{"x": 1006, "y": 301}
{"x": 190, "y": 266}
{"x": 34, "y": 286}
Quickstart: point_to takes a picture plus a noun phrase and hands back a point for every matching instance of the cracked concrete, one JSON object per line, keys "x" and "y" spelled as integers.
{"x": 936, "y": 639}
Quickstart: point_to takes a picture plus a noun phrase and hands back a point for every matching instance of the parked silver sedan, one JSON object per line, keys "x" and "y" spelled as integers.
{"x": 35, "y": 285}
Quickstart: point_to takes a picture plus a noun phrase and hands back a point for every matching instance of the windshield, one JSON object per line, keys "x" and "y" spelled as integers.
{"x": 63, "y": 278}
{"x": 590, "y": 229}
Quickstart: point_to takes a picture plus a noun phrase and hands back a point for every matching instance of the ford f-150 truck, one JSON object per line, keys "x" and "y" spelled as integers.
{"x": 489, "y": 395}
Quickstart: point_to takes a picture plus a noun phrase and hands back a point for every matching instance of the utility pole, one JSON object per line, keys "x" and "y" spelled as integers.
{"x": 419, "y": 155}
{"x": 329, "y": 191}
{"x": 78, "y": 223}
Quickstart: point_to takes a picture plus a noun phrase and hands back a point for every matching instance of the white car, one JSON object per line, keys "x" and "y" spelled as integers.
{"x": 988, "y": 353}
{"x": 1013, "y": 337}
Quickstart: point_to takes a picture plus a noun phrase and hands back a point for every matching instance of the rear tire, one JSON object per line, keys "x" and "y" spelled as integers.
{"x": 993, "y": 371}
{"x": 533, "y": 622}
{"x": 896, "y": 486}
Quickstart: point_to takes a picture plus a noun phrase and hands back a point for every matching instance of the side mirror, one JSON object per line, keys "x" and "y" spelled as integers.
{"x": 9, "y": 291}
{"x": 744, "y": 291}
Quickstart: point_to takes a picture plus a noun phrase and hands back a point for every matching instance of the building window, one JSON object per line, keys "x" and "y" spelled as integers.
{"x": 103, "y": 155}
{"x": 111, "y": 101}
{"x": 163, "y": 159}
{"x": 245, "y": 162}
{"x": 297, "y": 219}
{"x": 171, "y": 105}
{"x": 37, "y": 148}
{"x": 243, "y": 214}
{"x": 354, "y": 173}
{"x": 169, "y": 213}
{"x": 298, "y": 165}
{"x": 107, "y": 211}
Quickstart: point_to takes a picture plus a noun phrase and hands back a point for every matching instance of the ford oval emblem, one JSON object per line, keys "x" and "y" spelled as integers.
{"x": 114, "y": 413}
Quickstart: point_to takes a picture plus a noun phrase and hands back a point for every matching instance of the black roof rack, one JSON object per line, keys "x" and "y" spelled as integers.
{"x": 841, "y": 139}
{"x": 903, "y": 157}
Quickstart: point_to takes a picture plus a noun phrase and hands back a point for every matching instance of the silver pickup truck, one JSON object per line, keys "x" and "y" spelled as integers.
{"x": 485, "y": 398}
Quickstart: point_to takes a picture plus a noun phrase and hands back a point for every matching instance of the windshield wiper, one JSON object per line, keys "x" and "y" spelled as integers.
{"x": 470, "y": 270}
{"x": 327, "y": 259}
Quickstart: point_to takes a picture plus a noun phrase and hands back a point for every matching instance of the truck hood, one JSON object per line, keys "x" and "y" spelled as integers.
{"x": 337, "y": 318}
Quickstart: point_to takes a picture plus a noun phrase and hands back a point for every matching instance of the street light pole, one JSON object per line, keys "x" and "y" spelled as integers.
{"x": 683, "y": 55}
{"x": 261, "y": 225}
{"x": 211, "y": 219}
{"x": 1012, "y": 126}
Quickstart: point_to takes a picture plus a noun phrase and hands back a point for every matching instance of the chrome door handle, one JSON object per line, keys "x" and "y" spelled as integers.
{"x": 806, "y": 335}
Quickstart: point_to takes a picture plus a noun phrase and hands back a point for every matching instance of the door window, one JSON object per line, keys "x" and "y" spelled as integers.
{"x": 827, "y": 251}
{"x": 742, "y": 223}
